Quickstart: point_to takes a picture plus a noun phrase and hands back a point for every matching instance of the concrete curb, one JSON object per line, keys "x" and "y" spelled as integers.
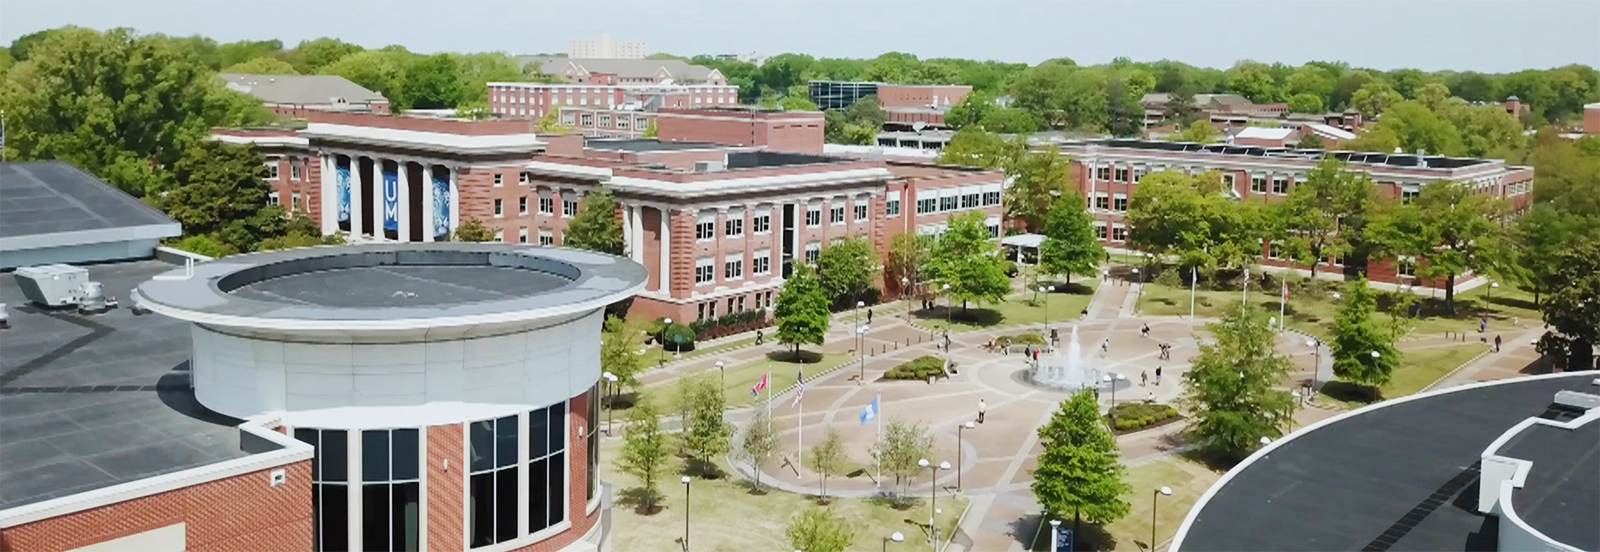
{"x": 956, "y": 526}
{"x": 1452, "y": 372}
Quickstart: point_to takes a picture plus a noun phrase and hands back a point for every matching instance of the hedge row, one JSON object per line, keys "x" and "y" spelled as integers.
{"x": 729, "y": 324}
{"x": 917, "y": 369}
{"x": 1130, "y": 416}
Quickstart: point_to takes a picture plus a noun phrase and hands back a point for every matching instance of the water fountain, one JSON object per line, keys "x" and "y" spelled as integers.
{"x": 1068, "y": 371}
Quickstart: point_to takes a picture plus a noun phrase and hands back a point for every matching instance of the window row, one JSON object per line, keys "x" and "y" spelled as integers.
{"x": 1258, "y": 184}
{"x": 708, "y": 309}
{"x": 732, "y": 266}
{"x": 705, "y": 228}
{"x": 971, "y": 200}
{"x": 569, "y": 206}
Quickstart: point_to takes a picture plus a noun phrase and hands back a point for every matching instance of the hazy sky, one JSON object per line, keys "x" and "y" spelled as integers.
{"x": 1484, "y": 35}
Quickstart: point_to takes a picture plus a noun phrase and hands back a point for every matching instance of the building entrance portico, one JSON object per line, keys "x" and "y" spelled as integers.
{"x": 389, "y": 199}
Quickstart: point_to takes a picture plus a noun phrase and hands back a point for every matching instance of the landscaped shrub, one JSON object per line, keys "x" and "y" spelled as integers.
{"x": 1130, "y": 416}
{"x": 729, "y": 324}
{"x": 917, "y": 369}
{"x": 677, "y": 337}
{"x": 1169, "y": 278}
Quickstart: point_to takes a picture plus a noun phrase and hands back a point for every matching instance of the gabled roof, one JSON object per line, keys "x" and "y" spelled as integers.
{"x": 624, "y": 68}
{"x": 1331, "y": 131}
{"x": 1264, "y": 133}
{"x": 301, "y": 89}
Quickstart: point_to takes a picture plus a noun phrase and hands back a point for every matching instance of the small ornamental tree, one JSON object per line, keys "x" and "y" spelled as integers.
{"x": 827, "y": 458}
{"x": 819, "y": 530}
{"x": 645, "y": 452}
{"x": 847, "y": 270}
{"x": 472, "y": 230}
{"x": 801, "y": 310}
{"x": 1070, "y": 247}
{"x": 1079, "y": 473}
{"x": 965, "y": 259}
{"x": 1232, "y": 391}
{"x": 898, "y": 451}
{"x": 706, "y": 434}
{"x": 619, "y": 351}
{"x": 759, "y": 444}
{"x": 1357, "y": 335}
{"x": 596, "y": 226}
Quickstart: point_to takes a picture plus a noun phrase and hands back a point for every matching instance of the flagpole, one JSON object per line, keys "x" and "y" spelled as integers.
{"x": 878, "y": 413}
{"x": 769, "y": 402}
{"x": 800, "y": 431}
{"x": 1194, "y": 280}
{"x": 1246, "y": 293}
{"x": 1282, "y": 304}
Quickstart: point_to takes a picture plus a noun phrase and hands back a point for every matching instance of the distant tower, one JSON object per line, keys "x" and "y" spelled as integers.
{"x": 603, "y": 47}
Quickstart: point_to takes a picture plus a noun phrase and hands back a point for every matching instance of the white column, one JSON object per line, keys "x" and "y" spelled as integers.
{"x": 637, "y": 212}
{"x": 455, "y": 201}
{"x": 356, "y": 199}
{"x": 328, "y": 182}
{"x": 428, "y": 208}
{"x": 403, "y": 225}
{"x": 664, "y": 277}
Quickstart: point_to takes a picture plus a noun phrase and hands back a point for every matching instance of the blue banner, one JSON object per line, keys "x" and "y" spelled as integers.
{"x": 342, "y": 181}
{"x": 441, "y": 205}
{"x": 391, "y": 200}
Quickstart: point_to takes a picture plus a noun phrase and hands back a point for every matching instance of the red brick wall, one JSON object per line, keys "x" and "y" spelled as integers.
{"x": 1591, "y": 120}
{"x": 446, "y": 487}
{"x": 682, "y": 251}
{"x": 243, "y": 512}
{"x": 792, "y": 131}
{"x": 917, "y": 95}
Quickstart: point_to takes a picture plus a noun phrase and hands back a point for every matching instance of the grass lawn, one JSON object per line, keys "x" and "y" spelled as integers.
{"x": 652, "y": 354}
{"x": 727, "y": 516}
{"x": 784, "y": 367}
{"x": 1188, "y": 477}
{"x": 1066, "y": 303}
{"x": 1420, "y": 368}
{"x": 1315, "y": 315}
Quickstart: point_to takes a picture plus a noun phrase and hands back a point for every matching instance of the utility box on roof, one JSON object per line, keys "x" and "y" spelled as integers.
{"x": 55, "y": 285}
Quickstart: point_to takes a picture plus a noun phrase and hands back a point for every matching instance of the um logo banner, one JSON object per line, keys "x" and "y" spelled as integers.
{"x": 391, "y": 200}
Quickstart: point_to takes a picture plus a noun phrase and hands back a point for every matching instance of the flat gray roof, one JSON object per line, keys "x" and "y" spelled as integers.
{"x": 52, "y": 203}
{"x": 393, "y": 286}
{"x": 88, "y": 402}
{"x": 1400, "y": 477}
{"x": 646, "y": 144}
{"x": 1561, "y": 497}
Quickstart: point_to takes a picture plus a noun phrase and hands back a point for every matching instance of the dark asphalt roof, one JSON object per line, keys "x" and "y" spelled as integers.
{"x": 1401, "y": 477}
{"x": 375, "y": 286}
{"x": 1561, "y": 497}
{"x": 48, "y": 197}
{"x": 92, "y": 401}
{"x": 645, "y": 144}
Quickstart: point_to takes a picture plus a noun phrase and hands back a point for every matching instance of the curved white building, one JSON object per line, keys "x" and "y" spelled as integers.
{"x": 450, "y": 390}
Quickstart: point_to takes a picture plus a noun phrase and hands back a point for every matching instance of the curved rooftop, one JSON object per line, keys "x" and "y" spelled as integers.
{"x": 392, "y": 286}
{"x": 1403, "y": 475}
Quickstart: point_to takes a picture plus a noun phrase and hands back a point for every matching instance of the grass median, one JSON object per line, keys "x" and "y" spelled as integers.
{"x": 1417, "y": 370}
{"x": 1065, "y": 304}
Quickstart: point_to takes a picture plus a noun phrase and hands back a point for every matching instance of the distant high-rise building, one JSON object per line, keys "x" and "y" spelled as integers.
{"x": 602, "y": 47}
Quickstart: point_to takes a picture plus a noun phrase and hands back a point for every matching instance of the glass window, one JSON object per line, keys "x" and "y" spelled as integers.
{"x": 1101, "y": 201}
{"x": 1280, "y": 185}
{"x": 547, "y": 466}
{"x": 892, "y": 207}
{"x": 969, "y": 201}
{"x": 813, "y": 249}
{"x": 734, "y": 227}
{"x": 814, "y": 216}
{"x": 569, "y": 206}
{"x": 272, "y": 169}
{"x": 836, "y": 215}
{"x": 991, "y": 198}
{"x": 1258, "y": 184}
{"x": 522, "y": 205}
{"x": 1120, "y": 202}
{"x": 499, "y": 208}
{"x": 928, "y": 205}
{"x": 761, "y": 224}
{"x": 1100, "y": 231}
{"x": 947, "y": 203}
{"x": 390, "y": 490}
{"x": 1103, "y": 172}
{"x": 547, "y": 205}
{"x": 499, "y": 179}
{"x": 705, "y": 230}
{"x": 761, "y": 263}
{"x": 330, "y": 496}
{"x": 704, "y": 270}
{"x": 733, "y": 268}
{"x": 593, "y": 438}
{"x": 1119, "y": 233}
{"x": 492, "y": 509}
{"x": 1122, "y": 174}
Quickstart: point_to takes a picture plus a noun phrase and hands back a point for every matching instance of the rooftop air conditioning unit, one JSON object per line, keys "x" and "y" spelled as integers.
{"x": 54, "y": 285}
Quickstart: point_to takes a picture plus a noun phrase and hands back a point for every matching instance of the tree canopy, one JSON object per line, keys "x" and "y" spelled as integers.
{"x": 848, "y": 270}
{"x": 1080, "y": 473}
{"x": 968, "y": 262}
{"x": 220, "y": 190}
{"x": 1070, "y": 246}
{"x": 1324, "y": 215}
{"x": 596, "y": 227}
{"x": 801, "y": 309}
{"x": 1195, "y": 219}
{"x": 1449, "y": 229}
{"x": 1357, "y": 335}
{"x": 1232, "y": 387}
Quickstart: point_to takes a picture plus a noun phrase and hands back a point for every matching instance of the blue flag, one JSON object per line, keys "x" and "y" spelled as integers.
{"x": 870, "y": 412}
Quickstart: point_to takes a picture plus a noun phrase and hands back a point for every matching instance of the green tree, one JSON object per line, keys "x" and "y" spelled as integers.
{"x": 22, "y": 48}
{"x": 1485, "y": 130}
{"x": 203, "y": 244}
{"x": 797, "y": 103}
{"x": 1253, "y": 80}
{"x": 1079, "y": 472}
{"x": 1180, "y": 111}
{"x": 801, "y": 310}
{"x": 1038, "y": 178}
{"x": 976, "y": 147}
{"x": 1199, "y": 132}
{"x": 1357, "y": 336}
{"x": 222, "y": 190}
{"x": 619, "y": 351}
{"x": 265, "y": 65}
{"x": 1010, "y": 120}
{"x": 1232, "y": 387}
{"x": 898, "y": 451}
{"x": 971, "y": 110}
{"x": 1070, "y": 246}
{"x": 472, "y": 230}
{"x": 1305, "y": 103}
{"x": 645, "y": 451}
{"x": 1325, "y": 213}
{"x": 965, "y": 259}
{"x": 1540, "y": 239}
{"x": 1310, "y": 140}
{"x": 118, "y": 105}
{"x": 706, "y": 434}
{"x": 759, "y": 444}
{"x": 908, "y": 253}
{"x": 234, "y": 53}
{"x": 848, "y": 270}
{"x": 432, "y": 82}
{"x": 1450, "y": 226}
{"x": 1571, "y": 308}
{"x": 819, "y": 529}
{"x": 475, "y": 110}
{"x": 550, "y": 122}
{"x": 650, "y": 129}
{"x": 1374, "y": 138}
{"x": 596, "y": 227}
{"x": 311, "y": 56}
{"x": 1436, "y": 96}
{"x": 382, "y": 71}
{"x": 1373, "y": 98}
{"x": 827, "y": 458}
{"x": 1419, "y": 128}
{"x": 866, "y": 112}
{"x": 1194, "y": 219}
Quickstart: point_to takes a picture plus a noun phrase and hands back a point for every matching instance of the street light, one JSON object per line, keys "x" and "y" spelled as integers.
{"x": 1493, "y": 285}
{"x": 950, "y": 309}
{"x": 1046, "y": 290}
{"x": 961, "y": 458}
{"x": 1155, "y": 498}
{"x": 861, "y": 339}
{"x": 857, "y": 313}
{"x": 1055, "y": 534}
{"x": 933, "y": 499}
{"x": 905, "y": 284}
{"x": 686, "y": 513}
{"x": 897, "y": 538}
{"x": 723, "y": 373}
{"x": 610, "y": 407}
{"x": 665, "y": 323}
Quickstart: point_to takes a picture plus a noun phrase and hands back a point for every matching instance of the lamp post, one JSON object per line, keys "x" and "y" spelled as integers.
{"x": 1055, "y": 534}
{"x": 1047, "y": 290}
{"x": 1155, "y": 499}
{"x": 897, "y": 538}
{"x": 612, "y": 380}
{"x": 666, "y": 323}
{"x": 721, "y": 372}
{"x": 949, "y": 314}
{"x": 1111, "y": 381}
{"x": 905, "y": 285}
{"x": 961, "y": 458}
{"x": 1375, "y": 357}
{"x": 1316, "y": 355}
{"x": 856, "y": 314}
{"x": 861, "y": 359}
{"x": 933, "y": 499}
{"x": 1492, "y": 285}
{"x": 686, "y": 513}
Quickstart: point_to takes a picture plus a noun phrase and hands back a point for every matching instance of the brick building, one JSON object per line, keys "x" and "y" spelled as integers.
{"x": 296, "y": 96}
{"x": 1107, "y": 172}
{"x": 1591, "y": 119}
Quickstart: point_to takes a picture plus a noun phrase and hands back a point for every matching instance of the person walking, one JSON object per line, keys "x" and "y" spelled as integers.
{"x": 1105, "y": 347}
{"x": 983, "y": 408}
{"x": 1158, "y": 376}
{"x": 1145, "y": 331}
{"x": 759, "y": 337}
{"x": 1144, "y": 378}
{"x": 869, "y": 316}
{"x": 1483, "y": 324}
{"x": 1496, "y": 343}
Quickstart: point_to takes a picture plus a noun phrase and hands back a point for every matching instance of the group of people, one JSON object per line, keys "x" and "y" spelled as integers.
{"x": 1144, "y": 377}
